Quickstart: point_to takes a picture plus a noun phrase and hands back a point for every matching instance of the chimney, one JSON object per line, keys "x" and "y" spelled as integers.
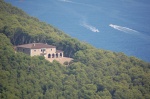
{"x": 34, "y": 43}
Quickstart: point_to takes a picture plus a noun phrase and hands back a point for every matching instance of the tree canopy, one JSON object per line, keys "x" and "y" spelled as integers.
{"x": 94, "y": 73}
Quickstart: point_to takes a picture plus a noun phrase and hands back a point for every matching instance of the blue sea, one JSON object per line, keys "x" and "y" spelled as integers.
{"x": 115, "y": 25}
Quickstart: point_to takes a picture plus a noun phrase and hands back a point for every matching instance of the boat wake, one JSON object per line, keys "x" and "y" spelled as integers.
{"x": 130, "y": 31}
{"x": 90, "y": 27}
{"x": 123, "y": 29}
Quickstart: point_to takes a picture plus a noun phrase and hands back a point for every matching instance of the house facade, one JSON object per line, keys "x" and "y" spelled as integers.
{"x": 40, "y": 49}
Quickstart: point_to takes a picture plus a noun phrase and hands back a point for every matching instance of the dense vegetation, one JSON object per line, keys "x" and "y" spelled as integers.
{"x": 94, "y": 74}
{"x": 21, "y": 28}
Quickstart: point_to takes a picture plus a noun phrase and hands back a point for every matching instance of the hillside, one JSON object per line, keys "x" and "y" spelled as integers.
{"x": 94, "y": 73}
{"x": 21, "y": 29}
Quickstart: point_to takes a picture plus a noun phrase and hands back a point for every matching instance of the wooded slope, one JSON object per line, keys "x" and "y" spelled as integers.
{"x": 94, "y": 74}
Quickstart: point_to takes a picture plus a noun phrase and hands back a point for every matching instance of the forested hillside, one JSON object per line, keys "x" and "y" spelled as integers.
{"x": 94, "y": 73}
{"x": 21, "y": 28}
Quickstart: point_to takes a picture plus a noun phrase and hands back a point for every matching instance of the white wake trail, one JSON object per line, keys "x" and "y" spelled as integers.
{"x": 67, "y": 1}
{"x": 90, "y": 27}
{"x": 130, "y": 31}
{"x": 123, "y": 29}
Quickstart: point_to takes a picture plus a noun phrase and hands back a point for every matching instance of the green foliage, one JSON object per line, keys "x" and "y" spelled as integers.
{"x": 21, "y": 28}
{"x": 117, "y": 73}
{"x": 93, "y": 74}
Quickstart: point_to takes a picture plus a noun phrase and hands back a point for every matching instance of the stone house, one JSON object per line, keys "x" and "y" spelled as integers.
{"x": 40, "y": 49}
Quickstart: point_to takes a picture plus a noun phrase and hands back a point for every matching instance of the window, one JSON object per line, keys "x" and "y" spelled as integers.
{"x": 53, "y": 55}
{"x": 34, "y": 50}
{"x": 43, "y": 50}
{"x": 57, "y": 55}
{"x": 49, "y": 55}
{"x": 60, "y": 54}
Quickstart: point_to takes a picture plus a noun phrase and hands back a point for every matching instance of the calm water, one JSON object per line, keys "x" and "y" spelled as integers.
{"x": 116, "y": 25}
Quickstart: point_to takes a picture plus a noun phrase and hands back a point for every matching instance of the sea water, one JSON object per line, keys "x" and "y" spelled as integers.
{"x": 116, "y": 25}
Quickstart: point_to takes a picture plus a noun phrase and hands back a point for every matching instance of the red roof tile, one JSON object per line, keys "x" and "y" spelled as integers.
{"x": 36, "y": 46}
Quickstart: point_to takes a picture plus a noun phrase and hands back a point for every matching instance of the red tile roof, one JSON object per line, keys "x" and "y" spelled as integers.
{"x": 36, "y": 46}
